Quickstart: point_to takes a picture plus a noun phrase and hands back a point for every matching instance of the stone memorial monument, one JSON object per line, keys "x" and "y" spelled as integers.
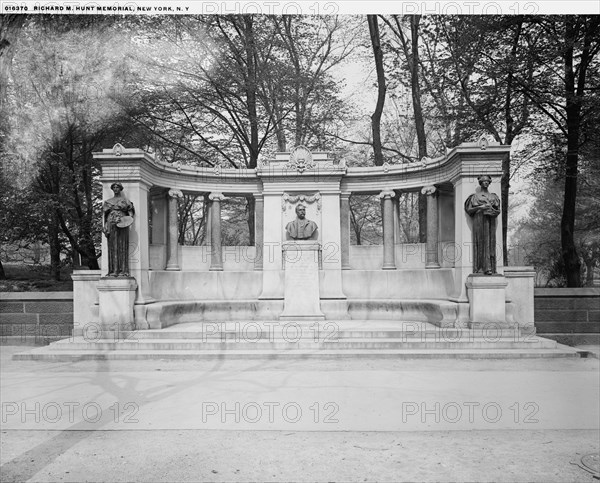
{"x": 302, "y": 264}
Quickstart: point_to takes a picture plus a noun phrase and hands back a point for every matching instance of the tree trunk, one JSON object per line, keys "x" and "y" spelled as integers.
{"x": 570, "y": 257}
{"x": 54, "y": 243}
{"x": 413, "y": 65}
{"x": 251, "y": 208}
{"x": 2, "y": 273}
{"x": 509, "y": 138}
{"x": 251, "y": 87}
{"x": 381, "y": 89}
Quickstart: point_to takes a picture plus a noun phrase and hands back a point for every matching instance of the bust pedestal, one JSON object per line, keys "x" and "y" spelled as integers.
{"x": 116, "y": 297}
{"x": 487, "y": 301}
{"x": 301, "y": 294}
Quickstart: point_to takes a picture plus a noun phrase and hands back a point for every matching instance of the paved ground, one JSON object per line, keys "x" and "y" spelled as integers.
{"x": 331, "y": 420}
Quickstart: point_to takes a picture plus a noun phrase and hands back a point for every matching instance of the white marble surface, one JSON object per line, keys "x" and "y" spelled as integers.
{"x": 487, "y": 299}
{"x": 301, "y": 281}
{"x": 204, "y": 285}
{"x": 116, "y": 296}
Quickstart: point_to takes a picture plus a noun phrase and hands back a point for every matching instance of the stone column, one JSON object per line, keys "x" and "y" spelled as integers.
{"x": 159, "y": 217}
{"x": 345, "y": 230}
{"x": 173, "y": 262}
{"x": 272, "y": 256}
{"x": 432, "y": 260}
{"x": 389, "y": 262}
{"x": 259, "y": 218}
{"x": 216, "y": 251}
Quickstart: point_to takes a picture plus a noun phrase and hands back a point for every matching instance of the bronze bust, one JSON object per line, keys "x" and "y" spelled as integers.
{"x": 301, "y": 228}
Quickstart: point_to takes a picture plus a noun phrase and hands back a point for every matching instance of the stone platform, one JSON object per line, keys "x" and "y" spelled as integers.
{"x": 300, "y": 340}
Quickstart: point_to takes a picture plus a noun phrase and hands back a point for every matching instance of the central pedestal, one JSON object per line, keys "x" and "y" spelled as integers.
{"x": 487, "y": 300}
{"x": 301, "y": 265}
{"x": 116, "y": 296}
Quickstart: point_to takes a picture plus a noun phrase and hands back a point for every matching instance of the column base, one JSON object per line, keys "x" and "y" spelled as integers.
{"x": 433, "y": 265}
{"x": 116, "y": 297}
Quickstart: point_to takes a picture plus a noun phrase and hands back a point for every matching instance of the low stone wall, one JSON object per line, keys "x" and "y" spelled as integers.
{"x": 568, "y": 315}
{"x": 37, "y": 317}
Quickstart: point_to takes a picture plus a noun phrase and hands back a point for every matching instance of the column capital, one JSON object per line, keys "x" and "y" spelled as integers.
{"x": 175, "y": 193}
{"x": 345, "y": 195}
{"x": 387, "y": 193}
{"x": 216, "y": 196}
{"x": 258, "y": 196}
{"x": 429, "y": 190}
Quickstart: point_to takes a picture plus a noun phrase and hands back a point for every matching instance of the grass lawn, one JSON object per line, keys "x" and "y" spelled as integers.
{"x": 27, "y": 278}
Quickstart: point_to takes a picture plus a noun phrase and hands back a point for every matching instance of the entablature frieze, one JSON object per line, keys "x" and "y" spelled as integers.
{"x": 467, "y": 160}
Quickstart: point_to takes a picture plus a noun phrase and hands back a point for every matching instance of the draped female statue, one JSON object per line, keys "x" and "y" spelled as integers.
{"x": 484, "y": 208}
{"x": 118, "y": 216}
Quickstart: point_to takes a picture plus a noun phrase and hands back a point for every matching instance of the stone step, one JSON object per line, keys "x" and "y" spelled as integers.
{"x": 46, "y": 354}
{"x": 280, "y": 344}
{"x": 248, "y": 336}
{"x": 163, "y": 314}
{"x": 324, "y": 330}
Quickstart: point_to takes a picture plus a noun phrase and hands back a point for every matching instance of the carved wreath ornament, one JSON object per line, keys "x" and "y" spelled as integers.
{"x": 285, "y": 199}
{"x": 300, "y": 159}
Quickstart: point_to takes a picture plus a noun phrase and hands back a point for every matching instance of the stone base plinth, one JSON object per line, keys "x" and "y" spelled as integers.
{"x": 116, "y": 297}
{"x": 487, "y": 300}
{"x": 301, "y": 293}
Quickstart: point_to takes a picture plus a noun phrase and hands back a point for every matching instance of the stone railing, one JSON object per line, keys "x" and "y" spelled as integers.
{"x": 568, "y": 315}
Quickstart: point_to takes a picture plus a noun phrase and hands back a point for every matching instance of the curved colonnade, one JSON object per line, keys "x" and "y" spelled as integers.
{"x": 417, "y": 282}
